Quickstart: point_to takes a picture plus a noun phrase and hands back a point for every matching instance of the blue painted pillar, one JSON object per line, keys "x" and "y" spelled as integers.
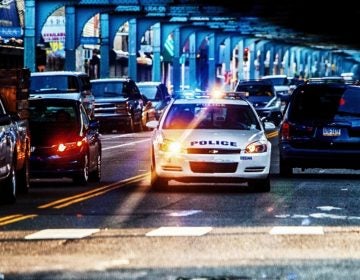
{"x": 300, "y": 65}
{"x": 240, "y": 69}
{"x": 212, "y": 66}
{"x": 308, "y": 65}
{"x": 133, "y": 47}
{"x": 104, "y": 47}
{"x": 227, "y": 60}
{"x": 176, "y": 61}
{"x": 271, "y": 60}
{"x": 251, "y": 66}
{"x": 156, "y": 62}
{"x": 285, "y": 61}
{"x": 262, "y": 61}
{"x": 29, "y": 36}
{"x": 192, "y": 61}
{"x": 70, "y": 46}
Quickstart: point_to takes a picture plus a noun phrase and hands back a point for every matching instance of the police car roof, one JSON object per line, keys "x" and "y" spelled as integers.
{"x": 227, "y": 99}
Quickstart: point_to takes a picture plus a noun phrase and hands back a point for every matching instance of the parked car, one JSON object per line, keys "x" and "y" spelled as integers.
{"x": 65, "y": 141}
{"x": 119, "y": 104}
{"x": 281, "y": 84}
{"x": 263, "y": 96}
{"x": 157, "y": 93}
{"x": 203, "y": 139}
{"x": 14, "y": 155}
{"x": 69, "y": 83}
{"x": 14, "y": 134}
{"x": 321, "y": 128}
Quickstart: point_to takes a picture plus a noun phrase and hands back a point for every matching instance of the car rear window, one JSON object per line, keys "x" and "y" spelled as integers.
{"x": 51, "y": 113}
{"x": 256, "y": 90}
{"x": 54, "y": 84}
{"x": 108, "y": 89}
{"x": 325, "y": 103}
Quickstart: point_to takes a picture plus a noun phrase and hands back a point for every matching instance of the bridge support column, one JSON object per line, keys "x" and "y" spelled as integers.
{"x": 133, "y": 48}
{"x": 70, "y": 46}
{"x": 104, "y": 48}
{"x": 29, "y": 36}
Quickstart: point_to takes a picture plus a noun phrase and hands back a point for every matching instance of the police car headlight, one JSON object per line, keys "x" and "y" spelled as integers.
{"x": 172, "y": 147}
{"x": 256, "y": 147}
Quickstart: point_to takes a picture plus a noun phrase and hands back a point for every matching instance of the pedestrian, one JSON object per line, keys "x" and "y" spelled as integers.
{"x": 95, "y": 65}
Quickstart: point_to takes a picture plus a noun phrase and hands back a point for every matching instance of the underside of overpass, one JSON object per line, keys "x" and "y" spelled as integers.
{"x": 322, "y": 27}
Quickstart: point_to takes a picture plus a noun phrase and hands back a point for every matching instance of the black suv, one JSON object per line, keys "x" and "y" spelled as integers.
{"x": 263, "y": 96}
{"x": 321, "y": 128}
{"x": 119, "y": 104}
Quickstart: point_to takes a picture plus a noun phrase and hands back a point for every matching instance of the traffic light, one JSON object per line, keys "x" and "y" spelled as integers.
{"x": 246, "y": 54}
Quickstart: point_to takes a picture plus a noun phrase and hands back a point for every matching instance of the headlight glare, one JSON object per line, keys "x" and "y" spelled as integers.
{"x": 256, "y": 147}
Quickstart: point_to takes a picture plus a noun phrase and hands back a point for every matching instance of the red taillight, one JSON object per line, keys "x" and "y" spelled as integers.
{"x": 68, "y": 146}
{"x": 285, "y": 130}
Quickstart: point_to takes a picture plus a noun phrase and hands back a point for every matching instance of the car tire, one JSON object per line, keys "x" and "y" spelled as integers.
{"x": 130, "y": 126}
{"x": 286, "y": 169}
{"x": 83, "y": 177}
{"x": 9, "y": 187}
{"x": 23, "y": 178}
{"x": 260, "y": 185}
{"x": 139, "y": 126}
{"x": 157, "y": 182}
{"x": 95, "y": 175}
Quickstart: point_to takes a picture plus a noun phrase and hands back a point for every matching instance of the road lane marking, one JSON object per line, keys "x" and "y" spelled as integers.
{"x": 179, "y": 231}
{"x": 96, "y": 192}
{"x": 126, "y": 144}
{"x": 272, "y": 134}
{"x": 65, "y": 233}
{"x": 184, "y": 213}
{"x": 15, "y": 218}
{"x": 297, "y": 230}
{"x": 61, "y": 203}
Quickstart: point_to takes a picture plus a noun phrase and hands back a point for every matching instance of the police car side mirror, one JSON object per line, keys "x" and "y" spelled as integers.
{"x": 152, "y": 124}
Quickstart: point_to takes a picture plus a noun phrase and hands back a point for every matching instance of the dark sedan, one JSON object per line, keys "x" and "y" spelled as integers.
{"x": 65, "y": 141}
{"x": 321, "y": 128}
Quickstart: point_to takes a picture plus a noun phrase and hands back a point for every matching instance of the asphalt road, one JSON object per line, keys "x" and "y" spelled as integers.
{"x": 307, "y": 227}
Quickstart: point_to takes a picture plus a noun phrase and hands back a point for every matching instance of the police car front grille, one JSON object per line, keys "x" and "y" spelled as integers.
{"x": 255, "y": 169}
{"x": 212, "y": 151}
{"x": 213, "y": 167}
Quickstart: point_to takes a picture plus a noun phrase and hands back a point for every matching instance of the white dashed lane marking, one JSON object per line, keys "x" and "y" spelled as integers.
{"x": 61, "y": 233}
{"x": 297, "y": 230}
{"x": 179, "y": 231}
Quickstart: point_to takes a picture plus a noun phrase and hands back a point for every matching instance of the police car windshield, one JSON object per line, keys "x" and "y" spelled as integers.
{"x": 211, "y": 116}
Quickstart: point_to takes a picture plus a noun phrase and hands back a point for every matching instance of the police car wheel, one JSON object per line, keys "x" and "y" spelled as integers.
{"x": 157, "y": 182}
{"x": 260, "y": 185}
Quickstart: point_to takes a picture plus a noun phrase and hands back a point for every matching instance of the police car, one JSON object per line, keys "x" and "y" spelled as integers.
{"x": 211, "y": 138}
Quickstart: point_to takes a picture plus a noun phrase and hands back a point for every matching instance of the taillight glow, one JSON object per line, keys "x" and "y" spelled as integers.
{"x": 68, "y": 146}
{"x": 285, "y": 130}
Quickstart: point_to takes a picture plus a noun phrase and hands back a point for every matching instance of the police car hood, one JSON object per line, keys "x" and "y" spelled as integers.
{"x": 204, "y": 138}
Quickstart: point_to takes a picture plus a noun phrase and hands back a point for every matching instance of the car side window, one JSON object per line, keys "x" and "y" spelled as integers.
{"x": 73, "y": 85}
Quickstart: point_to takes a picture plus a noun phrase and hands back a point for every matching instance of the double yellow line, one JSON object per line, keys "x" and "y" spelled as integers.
{"x": 61, "y": 203}
{"x": 272, "y": 134}
{"x": 15, "y": 218}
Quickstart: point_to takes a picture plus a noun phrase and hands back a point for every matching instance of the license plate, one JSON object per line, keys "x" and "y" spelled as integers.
{"x": 330, "y": 131}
